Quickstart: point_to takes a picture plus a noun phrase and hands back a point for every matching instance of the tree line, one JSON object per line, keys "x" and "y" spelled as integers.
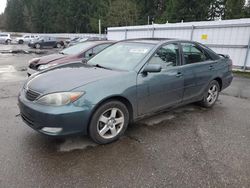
{"x": 75, "y": 16}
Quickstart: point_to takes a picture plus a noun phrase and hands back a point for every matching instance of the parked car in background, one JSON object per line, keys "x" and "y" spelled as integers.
{"x": 83, "y": 39}
{"x": 26, "y": 39}
{"x": 5, "y": 38}
{"x": 46, "y": 42}
{"x": 125, "y": 82}
{"x": 78, "y": 52}
{"x": 73, "y": 39}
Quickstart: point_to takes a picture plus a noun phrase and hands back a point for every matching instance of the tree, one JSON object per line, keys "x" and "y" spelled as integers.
{"x": 187, "y": 10}
{"x": 14, "y": 15}
{"x": 234, "y": 9}
{"x": 121, "y": 13}
{"x": 216, "y": 10}
{"x": 83, "y": 15}
{"x": 2, "y": 21}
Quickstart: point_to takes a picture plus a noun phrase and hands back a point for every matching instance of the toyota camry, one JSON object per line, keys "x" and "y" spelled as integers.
{"x": 125, "y": 82}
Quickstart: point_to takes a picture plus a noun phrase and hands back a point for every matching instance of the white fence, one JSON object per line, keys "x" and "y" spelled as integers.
{"x": 230, "y": 37}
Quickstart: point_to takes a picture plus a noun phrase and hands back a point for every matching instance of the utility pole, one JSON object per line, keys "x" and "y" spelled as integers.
{"x": 100, "y": 29}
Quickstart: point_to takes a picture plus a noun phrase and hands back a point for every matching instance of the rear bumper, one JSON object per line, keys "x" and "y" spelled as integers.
{"x": 70, "y": 119}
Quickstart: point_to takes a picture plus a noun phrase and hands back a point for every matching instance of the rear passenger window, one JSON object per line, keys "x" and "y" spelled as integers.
{"x": 192, "y": 54}
{"x": 166, "y": 56}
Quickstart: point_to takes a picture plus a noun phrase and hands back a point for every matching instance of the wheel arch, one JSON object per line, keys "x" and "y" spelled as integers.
{"x": 119, "y": 98}
{"x": 219, "y": 80}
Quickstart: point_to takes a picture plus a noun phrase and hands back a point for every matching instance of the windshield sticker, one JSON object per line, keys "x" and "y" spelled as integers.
{"x": 138, "y": 50}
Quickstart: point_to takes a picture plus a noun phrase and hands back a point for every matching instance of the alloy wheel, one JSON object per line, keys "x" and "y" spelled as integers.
{"x": 110, "y": 123}
{"x": 38, "y": 46}
{"x": 212, "y": 94}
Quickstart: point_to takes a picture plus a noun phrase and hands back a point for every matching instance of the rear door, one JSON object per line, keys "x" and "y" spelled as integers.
{"x": 156, "y": 91}
{"x": 198, "y": 70}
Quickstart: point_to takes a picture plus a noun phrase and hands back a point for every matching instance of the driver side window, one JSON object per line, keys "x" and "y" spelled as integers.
{"x": 167, "y": 56}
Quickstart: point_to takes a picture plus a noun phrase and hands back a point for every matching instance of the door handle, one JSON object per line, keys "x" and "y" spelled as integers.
{"x": 211, "y": 67}
{"x": 179, "y": 74}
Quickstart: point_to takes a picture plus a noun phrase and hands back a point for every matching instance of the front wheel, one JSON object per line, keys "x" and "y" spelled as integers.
{"x": 211, "y": 94}
{"x": 109, "y": 122}
{"x": 37, "y": 46}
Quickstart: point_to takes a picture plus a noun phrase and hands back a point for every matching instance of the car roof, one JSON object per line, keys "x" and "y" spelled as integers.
{"x": 148, "y": 40}
{"x": 96, "y": 42}
{"x": 156, "y": 41}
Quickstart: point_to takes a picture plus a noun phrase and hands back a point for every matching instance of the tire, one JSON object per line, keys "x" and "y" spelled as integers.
{"x": 37, "y": 46}
{"x": 7, "y": 41}
{"x": 20, "y": 42}
{"x": 109, "y": 122}
{"x": 211, "y": 95}
{"x": 58, "y": 45}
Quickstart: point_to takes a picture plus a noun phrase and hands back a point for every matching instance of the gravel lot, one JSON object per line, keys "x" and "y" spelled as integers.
{"x": 187, "y": 147}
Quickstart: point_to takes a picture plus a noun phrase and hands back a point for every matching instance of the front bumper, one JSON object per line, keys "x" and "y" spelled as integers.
{"x": 71, "y": 119}
{"x": 31, "y": 71}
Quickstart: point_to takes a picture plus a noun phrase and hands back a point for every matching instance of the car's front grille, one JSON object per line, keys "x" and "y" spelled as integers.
{"x": 31, "y": 95}
{"x": 27, "y": 120}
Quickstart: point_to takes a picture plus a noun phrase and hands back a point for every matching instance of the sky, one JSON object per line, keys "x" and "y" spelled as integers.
{"x": 2, "y": 5}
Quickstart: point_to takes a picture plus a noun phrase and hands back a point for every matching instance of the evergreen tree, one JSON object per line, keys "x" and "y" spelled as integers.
{"x": 234, "y": 9}
{"x": 83, "y": 15}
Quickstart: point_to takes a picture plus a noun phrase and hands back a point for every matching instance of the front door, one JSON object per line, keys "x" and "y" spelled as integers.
{"x": 156, "y": 91}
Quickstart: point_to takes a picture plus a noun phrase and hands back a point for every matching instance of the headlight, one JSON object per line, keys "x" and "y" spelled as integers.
{"x": 42, "y": 67}
{"x": 59, "y": 99}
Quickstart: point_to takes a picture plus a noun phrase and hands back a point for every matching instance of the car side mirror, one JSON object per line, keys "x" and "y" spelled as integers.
{"x": 152, "y": 68}
{"x": 84, "y": 61}
{"x": 91, "y": 54}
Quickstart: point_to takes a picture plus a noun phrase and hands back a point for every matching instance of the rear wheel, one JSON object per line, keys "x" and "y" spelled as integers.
{"x": 37, "y": 46}
{"x": 109, "y": 122}
{"x": 211, "y": 94}
{"x": 20, "y": 42}
{"x": 58, "y": 45}
{"x": 8, "y": 41}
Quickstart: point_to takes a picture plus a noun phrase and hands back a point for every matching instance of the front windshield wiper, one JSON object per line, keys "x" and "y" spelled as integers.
{"x": 99, "y": 66}
{"x": 62, "y": 53}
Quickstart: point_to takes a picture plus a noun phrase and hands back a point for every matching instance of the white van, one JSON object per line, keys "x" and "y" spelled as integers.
{"x": 25, "y": 39}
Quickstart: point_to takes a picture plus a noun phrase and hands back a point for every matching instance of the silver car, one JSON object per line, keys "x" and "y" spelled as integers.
{"x": 5, "y": 38}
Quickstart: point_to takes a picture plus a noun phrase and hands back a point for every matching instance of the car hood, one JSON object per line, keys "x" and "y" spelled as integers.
{"x": 67, "y": 77}
{"x": 50, "y": 58}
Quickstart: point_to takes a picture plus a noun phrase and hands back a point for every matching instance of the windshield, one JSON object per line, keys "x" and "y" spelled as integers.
{"x": 77, "y": 48}
{"x": 121, "y": 56}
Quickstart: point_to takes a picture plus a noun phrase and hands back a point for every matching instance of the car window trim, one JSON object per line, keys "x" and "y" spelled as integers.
{"x": 160, "y": 46}
{"x": 199, "y": 47}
